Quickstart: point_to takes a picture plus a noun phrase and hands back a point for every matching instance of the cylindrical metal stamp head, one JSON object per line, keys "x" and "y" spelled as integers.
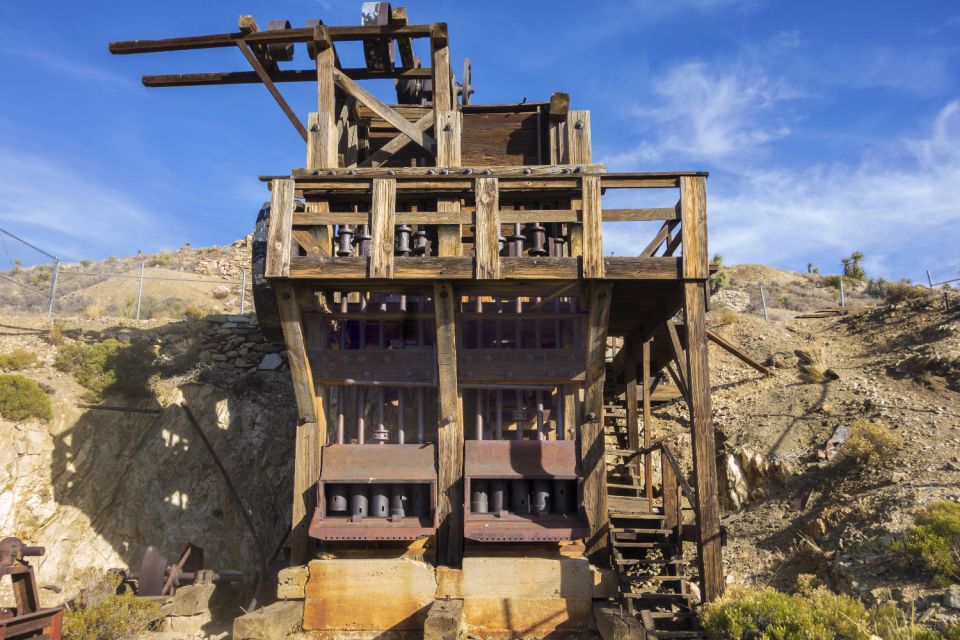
{"x": 379, "y": 501}
{"x": 479, "y": 500}
{"x": 336, "y": 498}
{"x": 540, "y": 501}
{"x": 359, "y": 503}
{"x": 562, "y": 496}
{"x": 399, "y": 494}
{"x": 498, "y": 496}
{"x": 520, "y": 497}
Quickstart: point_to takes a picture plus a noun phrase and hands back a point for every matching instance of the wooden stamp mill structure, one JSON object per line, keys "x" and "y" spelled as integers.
{"x": 438, "y": 276}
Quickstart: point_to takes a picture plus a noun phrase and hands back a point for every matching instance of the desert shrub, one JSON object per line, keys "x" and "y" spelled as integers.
{"x": 852, "y": 269}
{"x": 832, "y": 282}
{"x": 55, "y": 333}
{"x": 812, "y": 366}
{"x": 110, "y": 365}
{"x": 17, "y": 359}
{"x": 813, "y": 613}
{"x": 116, "y": 618}
{"x": 871, "y": 442}
{"x": 935, "y": 540}
{"x": 193, "y": 312}
{"x": 111, "y": 259}
{"x": 727, "y": 316}
{"x": 21, "y": 397}
{"x": 85, "y": 263}
{"x": 40, "y": 274}
{"x": 159, "y": 260}
{"x": 902, "y": 291}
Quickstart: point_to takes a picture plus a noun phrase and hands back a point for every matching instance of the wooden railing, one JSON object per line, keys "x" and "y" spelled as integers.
{"x": 470, "y": 223}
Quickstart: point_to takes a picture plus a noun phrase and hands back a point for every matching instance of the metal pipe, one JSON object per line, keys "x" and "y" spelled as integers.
{"x": 479, "y": 414}
{"x": 243, "y": 288}
{"x": 401, "y": 410}
{"x": 398, "y": 496}
{"x": 139, "y": 291}
{"x": 498, "y": 496}
{"x": 361, "y": 407}
{"x": 499, "y": 431}
{"x": 420, "y": 392}
{"x": 380, "y": 434}
{"x": 53, "y": 288}
{"x": 539, "y": 398}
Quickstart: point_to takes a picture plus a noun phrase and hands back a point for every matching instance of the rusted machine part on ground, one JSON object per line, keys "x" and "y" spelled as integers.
{"x": 156, "y": 578}
{"x": 27, "y": 619}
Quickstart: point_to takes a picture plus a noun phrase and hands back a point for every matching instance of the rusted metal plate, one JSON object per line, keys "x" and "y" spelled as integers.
{"x": 378, "y": 463}
{"x": 519, "y": 459}
{"x": 487, "y": 527}
{"x": 375, "y": 366}
{"x": 341, "y": 528}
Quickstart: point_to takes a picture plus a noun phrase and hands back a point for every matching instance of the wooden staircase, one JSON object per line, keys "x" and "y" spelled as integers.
{"x": 655, "y": 580}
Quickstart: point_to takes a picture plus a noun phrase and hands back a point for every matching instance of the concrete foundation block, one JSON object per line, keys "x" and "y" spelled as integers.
{"x": 445, "y": 621}
{"x": 273, "y": 621}
{"x": 508, "y": 597}
{"x": 359, "y": 597}
{"x": 292, "y": 582}
{"x": 187, "y": 624}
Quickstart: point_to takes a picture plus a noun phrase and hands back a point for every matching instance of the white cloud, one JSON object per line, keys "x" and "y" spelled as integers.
{"x": 703, "y": 113}
{"x": 52, "y": 203}
{"x": 899, "y": 207}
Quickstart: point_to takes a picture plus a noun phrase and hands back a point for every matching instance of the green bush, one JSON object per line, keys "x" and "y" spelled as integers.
{"x": 21, "y": 397}
{"x": 935, "y": 540}
{"x": 160, "y": 260}
{"x": 105, "y": 366}
{"x": 813, "y": 613}
{"x": 832, "y": 281}
{"x": 116, "y": 618}
{"x": 17, "y": 359}
{"x": 896, "y": 292}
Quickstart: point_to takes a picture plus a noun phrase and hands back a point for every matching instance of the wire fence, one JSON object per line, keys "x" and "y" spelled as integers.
{"x": 57, "y": 274}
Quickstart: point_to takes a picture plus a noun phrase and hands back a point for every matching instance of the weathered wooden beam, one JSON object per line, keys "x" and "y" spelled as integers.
{"x": 272, "y": 88}
{"x": 704, "y": 445}
{"x": 304, "y": 34}
{"x": 449, "y": 431}
{"x": 487, "y": 234}
{"x": 592, "y": 228}
{"x": 591, "y": 441}
{"x": 382, "y": 214}
{"x": 279, "y": 229}
{"x": 693, "y": 215}
{"x": 216, "y": 78}
{"x": 737, "y": 353}
{"x": 384, "y": 111}
{"x": 678, "y": 353}
{"x": 647, "y": 421}
{"x": 311, "y": 427}
{"x": 633, "y": 401}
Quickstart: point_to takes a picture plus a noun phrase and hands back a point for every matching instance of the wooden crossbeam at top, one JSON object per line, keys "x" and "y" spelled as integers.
{"x": 303, "y": 34}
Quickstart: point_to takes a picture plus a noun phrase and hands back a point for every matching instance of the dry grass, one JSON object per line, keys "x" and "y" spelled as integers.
{"x": 55, "y": 333}
{"x": 871, "y": 442}
{"x": 812, "y": 365}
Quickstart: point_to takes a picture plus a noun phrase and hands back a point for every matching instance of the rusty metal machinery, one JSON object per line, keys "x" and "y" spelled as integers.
{"x": 522, "y": 491}
{"x": 155, "y": 577}
{"x": 376, "y": 493}
{"x": 26, "y": 619}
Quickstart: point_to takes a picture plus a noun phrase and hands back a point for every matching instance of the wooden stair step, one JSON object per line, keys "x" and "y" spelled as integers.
{"x": 659, "y": 595}
{"x": 659, "y": 532}
{"x": 641, "y": 545}
{"x": 647, "y": 562}
{"x": 620, "y": 485}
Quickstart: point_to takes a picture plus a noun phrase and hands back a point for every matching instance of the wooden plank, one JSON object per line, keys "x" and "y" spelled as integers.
{"x": 693, "y": 215}
{"x": 398, "y": 17}
{"x": 449, "y": 432}
{"x": 384, "y": 153}
{"x": 559, "y": 106}
{"x": 463, "y": 216}
{"x": 487, "y": 234}
{"x": 310, "y": 414}
{"x": 593, "y": 266}
{"x": 387, "y": 113}
{"x": 325, "y": 61}
{"x": 382, "y": 211}
{"x": 592, "y": 458}
{"x": 658, "y": 268}
{"x": 647, "y": 421}
{"x": 704, "y": 446}
{"x": 662, "y": 234}
{"x": 279, "y": 229}
{"x": 272, "y": 88}
{"x": 631, "y": 215}
{"x": 671, "y": 501}
{"x": 449, "y": 238}
{"x": 412, "y": 367}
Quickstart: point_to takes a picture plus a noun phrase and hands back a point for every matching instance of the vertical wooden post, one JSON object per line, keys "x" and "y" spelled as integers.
{"x": 577, "y": 152}
{"x": 633, "y": 401}
{"x": 647, "y": 423}
{"x": 279, "y": 228}
{"x": 312, "y": 421}
{"x": 449, "y": 431}
{"x": 447, "y": 128}
{"x": 593, "y": 465}
{"x": 382, "y": 216}
{"x": 672, "y": 507}
{"x": 487, "y": 235}
{"x": 696, "y": 270}
{"x": 592, "y": 263}
{"x": 557, "y": 119}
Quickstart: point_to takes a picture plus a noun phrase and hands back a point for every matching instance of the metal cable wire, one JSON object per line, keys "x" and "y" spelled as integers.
{"x": 25, "y": 286}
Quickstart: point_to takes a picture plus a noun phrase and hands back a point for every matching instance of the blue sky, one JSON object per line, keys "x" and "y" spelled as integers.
{"x": 827, "y": 127}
